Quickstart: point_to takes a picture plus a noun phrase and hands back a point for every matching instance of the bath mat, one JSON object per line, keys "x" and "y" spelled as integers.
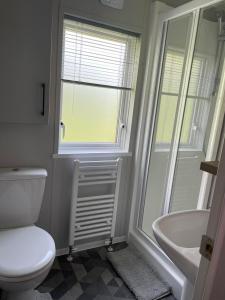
{"x": 141, "y": 279}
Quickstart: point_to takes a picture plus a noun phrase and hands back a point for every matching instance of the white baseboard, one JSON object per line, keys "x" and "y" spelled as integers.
{"x": 92, "y": 245}
{"x": 160, "y": 262}
{"x": 120, "y": 239}
{"x": 60, "y": 252}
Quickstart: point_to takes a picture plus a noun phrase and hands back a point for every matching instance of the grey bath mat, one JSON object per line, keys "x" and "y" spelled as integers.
{"x": 139, "y": 277}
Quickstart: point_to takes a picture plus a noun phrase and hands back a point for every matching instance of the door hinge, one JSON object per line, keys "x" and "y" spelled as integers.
{"x": 206, "y": 248}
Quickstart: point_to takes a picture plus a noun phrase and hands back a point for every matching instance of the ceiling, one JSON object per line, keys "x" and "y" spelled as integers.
{"x": 175, "y": 3}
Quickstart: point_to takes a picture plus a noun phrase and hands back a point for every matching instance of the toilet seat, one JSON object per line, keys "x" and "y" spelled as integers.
{"x": 25, "y": 251}
{"x": 28, "y": 277}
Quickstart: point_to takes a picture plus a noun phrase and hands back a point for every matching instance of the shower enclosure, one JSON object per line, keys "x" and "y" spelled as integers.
{"x": 188, "y": 112}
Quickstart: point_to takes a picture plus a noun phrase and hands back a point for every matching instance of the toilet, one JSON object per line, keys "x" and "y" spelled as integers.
{"x": 27, "y": 252}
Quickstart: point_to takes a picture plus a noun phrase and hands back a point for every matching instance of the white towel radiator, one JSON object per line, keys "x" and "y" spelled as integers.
{"x": 93, "y": 215}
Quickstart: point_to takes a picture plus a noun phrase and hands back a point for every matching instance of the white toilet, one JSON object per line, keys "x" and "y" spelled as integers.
{"x": 27, "y": 252}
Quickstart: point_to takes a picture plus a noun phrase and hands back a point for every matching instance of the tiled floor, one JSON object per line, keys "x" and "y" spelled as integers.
{"x": 89, "y": 276}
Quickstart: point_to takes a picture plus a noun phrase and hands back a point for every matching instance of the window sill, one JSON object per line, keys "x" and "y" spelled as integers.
{"x": 91, "y": 153}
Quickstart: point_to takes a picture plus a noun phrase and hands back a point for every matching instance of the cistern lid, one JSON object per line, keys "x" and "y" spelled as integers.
{"x": 21, "y": 173}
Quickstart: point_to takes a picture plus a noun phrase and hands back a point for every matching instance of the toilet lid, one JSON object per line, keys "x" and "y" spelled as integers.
{"x": 24, "y": 251}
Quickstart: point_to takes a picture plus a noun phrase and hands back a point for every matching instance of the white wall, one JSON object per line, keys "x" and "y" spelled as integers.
{"x": 132, "y": 17}
{"x": 33, "y": 145}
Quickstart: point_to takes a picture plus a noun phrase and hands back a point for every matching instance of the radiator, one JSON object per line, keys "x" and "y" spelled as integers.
{"x": 94, "y": 215}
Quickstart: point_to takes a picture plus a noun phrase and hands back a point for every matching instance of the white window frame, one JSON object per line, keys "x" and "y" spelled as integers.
{"x": 126, "y": 108}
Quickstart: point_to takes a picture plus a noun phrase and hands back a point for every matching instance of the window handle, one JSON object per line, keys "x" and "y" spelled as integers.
{"x": 63, "y": 128}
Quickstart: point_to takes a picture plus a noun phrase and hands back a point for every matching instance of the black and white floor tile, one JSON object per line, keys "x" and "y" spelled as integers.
{"x": 89, "y": 276}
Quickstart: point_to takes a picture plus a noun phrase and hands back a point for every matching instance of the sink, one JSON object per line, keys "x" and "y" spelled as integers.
{"x": 179, "y": 235}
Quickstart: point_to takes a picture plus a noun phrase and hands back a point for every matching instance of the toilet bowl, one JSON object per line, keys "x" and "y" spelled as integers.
{"x": 27, "y": 252}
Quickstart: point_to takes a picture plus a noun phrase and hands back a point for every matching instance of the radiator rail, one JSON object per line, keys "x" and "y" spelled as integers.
{"x": 94, "y": 215}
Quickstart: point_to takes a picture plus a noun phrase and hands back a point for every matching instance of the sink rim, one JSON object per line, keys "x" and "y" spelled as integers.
{"x": 187, "y": 259}
{"x": 155, "y": 224}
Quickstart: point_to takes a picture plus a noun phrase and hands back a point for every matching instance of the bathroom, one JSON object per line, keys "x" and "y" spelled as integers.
{"x": 164, "y": 120}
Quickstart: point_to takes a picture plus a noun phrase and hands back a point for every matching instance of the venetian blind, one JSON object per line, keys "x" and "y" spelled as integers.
{"x": 98, "y": 56}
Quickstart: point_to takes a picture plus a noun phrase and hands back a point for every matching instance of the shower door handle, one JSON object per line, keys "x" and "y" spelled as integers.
{"x": 210, "y": 166}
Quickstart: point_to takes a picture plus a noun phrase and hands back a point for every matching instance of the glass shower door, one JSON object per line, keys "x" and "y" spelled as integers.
{"x": 168, "y": 98}
{"x": 199, "y": 108}
{"x": 188, "y": 114}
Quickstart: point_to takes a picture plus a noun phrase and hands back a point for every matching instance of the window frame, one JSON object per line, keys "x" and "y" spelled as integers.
{"x": 126, "y": 102}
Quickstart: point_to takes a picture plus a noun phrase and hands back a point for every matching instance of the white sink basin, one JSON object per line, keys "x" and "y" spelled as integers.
{"x": 179, "y": 235}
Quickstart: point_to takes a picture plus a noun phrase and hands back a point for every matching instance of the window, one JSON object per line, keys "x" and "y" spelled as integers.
{"x": 196, "y": 105}
{"x": 99, "y": 68}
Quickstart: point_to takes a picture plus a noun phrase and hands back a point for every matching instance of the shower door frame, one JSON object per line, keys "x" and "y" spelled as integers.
{"x": 194, "y": 7}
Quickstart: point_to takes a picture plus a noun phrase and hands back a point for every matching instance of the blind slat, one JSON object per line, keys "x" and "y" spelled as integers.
{"x": 97, "y": 55}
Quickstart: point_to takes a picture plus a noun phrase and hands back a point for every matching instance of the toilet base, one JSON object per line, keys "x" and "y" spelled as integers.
{"x": 26, "y": 295}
